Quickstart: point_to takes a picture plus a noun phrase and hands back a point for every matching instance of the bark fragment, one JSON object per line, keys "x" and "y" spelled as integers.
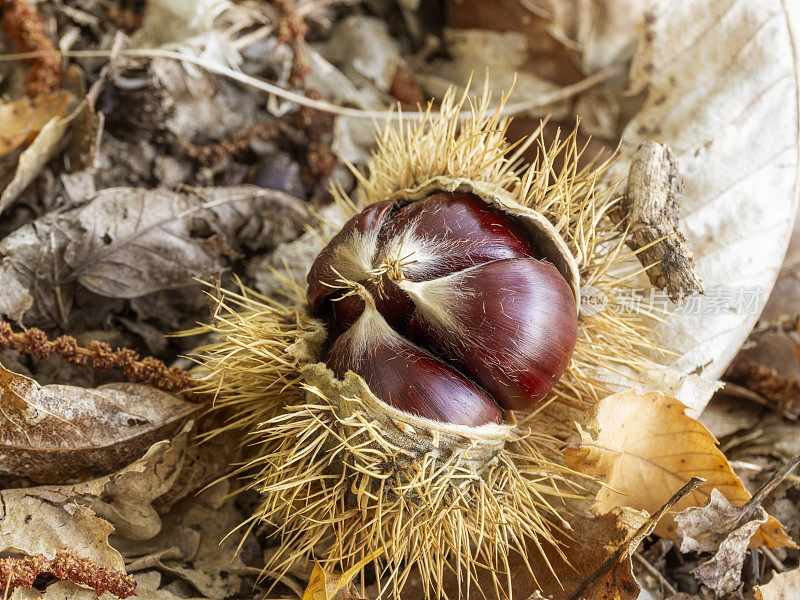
{"x": 650, "y": 210}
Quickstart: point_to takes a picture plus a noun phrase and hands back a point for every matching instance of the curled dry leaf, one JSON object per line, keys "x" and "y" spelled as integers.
{"x": 706, "y": 528}
{"x": 644, "y": 448}
{"x": 199, "y": 543}
{"x": 782, "y": 586}
{"x": 35, "y": 157}
{"x": 22, "y": 119}
{"x": 725, "y": 530}
{"x": 58, "y": 432}
{"x": 324, "y": 585}
{"x": 719, "y": 86}
{"x": 44, "y": 519}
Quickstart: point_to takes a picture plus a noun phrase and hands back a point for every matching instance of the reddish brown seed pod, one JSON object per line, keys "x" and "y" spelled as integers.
{"x": 349, "y": 253}
{"x": 407, "y": 377}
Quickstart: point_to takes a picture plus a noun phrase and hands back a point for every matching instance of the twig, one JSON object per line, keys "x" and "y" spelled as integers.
{"x": 655, "y": 573}
{"x": 650, "y": 210}
{"x": 322, "y": 105}
{"x": 100, "y": 356}
{"x": 779, "y": 393}
{"x": 754, "y": 504}
{"x": 779, "y": 566}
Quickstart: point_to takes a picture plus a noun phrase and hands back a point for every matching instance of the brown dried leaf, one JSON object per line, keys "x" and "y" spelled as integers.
{"x": 32, "y": 258}
{"x": 35, "y": 157}
{"x": 783, "y": 586}
{"x": 199, "y": 543}
{"x": 707, "y": 529}
{"x": 141, "y": 241}
{"x": 41, "y": 520}
{"x": 325, "y": 586}
{"x": 644, "y": 448}
{"x": 44, "y": 519}
{"x": 59, "y": 432}
{"x": 22, "y": 119}
{"x": 33, "y": 521}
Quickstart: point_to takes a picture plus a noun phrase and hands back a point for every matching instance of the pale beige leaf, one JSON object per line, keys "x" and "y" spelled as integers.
{"x": 782, "y": 586}
{"x": 645, "y": 448}
{"x": 31, "y": 523}
{"x": 59, "y": 432}
{"x": 197, "y": 533}
{"x": 720, "y": 87}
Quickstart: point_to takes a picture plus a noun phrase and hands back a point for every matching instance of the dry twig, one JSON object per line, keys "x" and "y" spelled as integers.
{"x": 650, "y": 209}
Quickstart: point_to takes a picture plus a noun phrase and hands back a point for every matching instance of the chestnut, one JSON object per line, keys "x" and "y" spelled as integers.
{"x": 405, "y": 376}
{"x": 456, "y": 312}
{"x": 511, "y": 325}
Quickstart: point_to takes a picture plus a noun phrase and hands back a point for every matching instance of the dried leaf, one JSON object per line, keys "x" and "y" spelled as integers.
{"x": 59, "y": 432}
{"x": 782, "y": 586}
{"x": 138, "y": 241}
{"x": 160, "y": 256}
{"x": 722, "y": 572}
{"x": 726, "y": 530}
{"x": 22, "y": 119}
{"x": 715, "y": 78}
{"x": 36, "y": 156}
{"x": 325, "y": 586}
{"x": 644, "y": 448}
{"x": 199, "y": 543}
{"x": 41, "y": 520}
{"x": 34, "y": 521}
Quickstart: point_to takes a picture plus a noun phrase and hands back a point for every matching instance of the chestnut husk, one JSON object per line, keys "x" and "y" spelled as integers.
{"x": 343, "y": 475}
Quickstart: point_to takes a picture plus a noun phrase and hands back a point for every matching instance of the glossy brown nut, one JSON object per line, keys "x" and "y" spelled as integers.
{"x": 392, "y": 302}
{"x": 467, "y": 232}
{"x": 449, "y": 313}
{"x": 510, "y": 324}
{"x": 357, "y": 230}
{"x": 407, "y": 377}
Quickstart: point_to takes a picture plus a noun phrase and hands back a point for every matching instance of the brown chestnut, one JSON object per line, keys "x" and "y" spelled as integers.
{"x": 407, "y": 377}
{"x": 510, "y": 324}
{"x": 456, "y": 308}
{"x": 464, "y": 229}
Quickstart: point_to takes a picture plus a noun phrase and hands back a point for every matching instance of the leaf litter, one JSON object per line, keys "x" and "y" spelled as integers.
{"x": 170, "y": 170}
